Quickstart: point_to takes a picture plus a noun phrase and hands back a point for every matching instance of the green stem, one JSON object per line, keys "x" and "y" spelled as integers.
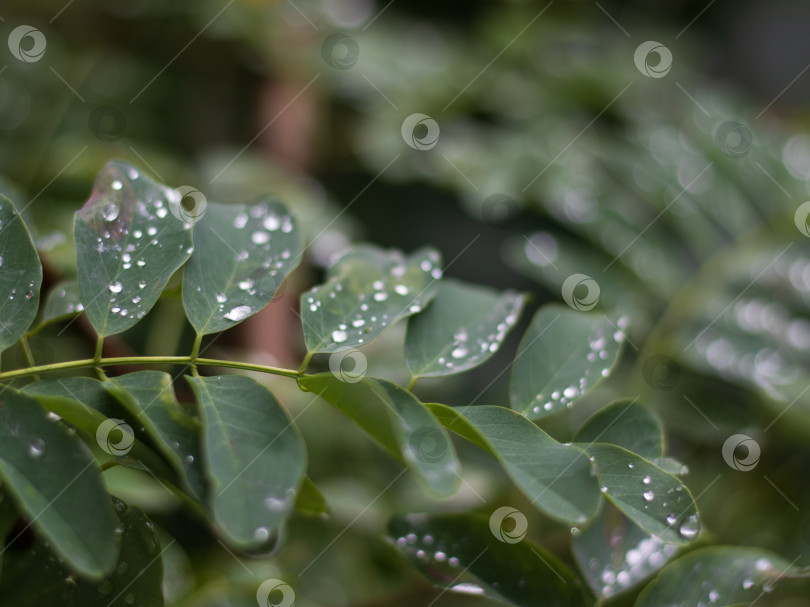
{"x": 305, "y": 364}
{"x": 27, "y": 354}
{"x": 146, "y": 360}
{"x": 97, "y": 358}
{"x": 195, "y": 352}
{"x": 412, "y": 382}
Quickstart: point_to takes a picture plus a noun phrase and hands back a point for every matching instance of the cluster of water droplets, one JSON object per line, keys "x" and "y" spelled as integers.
{"x": 263, "y": 261}
{"x": 640, "y": 560}
{"x": 397, "y": 291}
{"x": 598, "y": 343}
{"x": 277, "y": 505}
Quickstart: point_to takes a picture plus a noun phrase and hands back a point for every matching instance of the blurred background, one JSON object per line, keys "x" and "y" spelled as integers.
{"x": 528, "y": 141}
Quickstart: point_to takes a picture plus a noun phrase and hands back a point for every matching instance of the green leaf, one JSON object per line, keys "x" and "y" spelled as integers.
{"x": 254, "y": 457}
{"x": 86, "y": 404}
{"x": 149, "y": 395}
{"x": 310, "y": 500}
{"x": 20, "y": 276}
{"x": 653, "y": 499}
{"x": 56, "y": 483}
{"x": 561, "y": 356}
{"x": 627, "y": 424}
{"x": 459, "y": 552}
{"x": 719, "y": 575}
{"x": 398, "y": 422}
{"x": 615, "y": 555}
{"x": 63, "y": 301}
{"x": 555, "y": 477}
{"x": 128, "y": 245}
{"x": 241, "y": 256}
{"x": 461, "y": 328}
{"x": 32, "y": 577}
{"x": 367, "y": 291}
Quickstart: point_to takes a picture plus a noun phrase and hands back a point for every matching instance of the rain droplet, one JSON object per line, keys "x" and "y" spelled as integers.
{"x": 36, "y": 448}
{"x": 271, "y": 222}
{"x": 646, "y": 480}
{"x": 648, "y": 496}
{"x": 260, "y": 237}
{"x": 238, "y": 313}
{"x": 459, "y": 352}
{"x": 117, "y": 185}
{"x": 110, "y": 212}
{"x": 690, "y": 527}
{"x": 401, "y": 289}
{"x": 115, "y": 287}
{"x": 380, "y": 296}
{"x": 339, "y": 336}
{"x": 261, "y": 534}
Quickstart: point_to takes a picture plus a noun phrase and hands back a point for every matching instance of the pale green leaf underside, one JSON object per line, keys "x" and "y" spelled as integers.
{"x": 20, "y": 276}
{"x": 367, "y": 290}
{"x": 561, "y": 356}
{"x": 460, "y": 329}
{"x": 556, "y": 478}
{"x": 254, "y": 457}
{"x": 54, "y": 480}
{"x": 398, "y": 422}
{"x": 128, "y": 244}
{"x": 242, "y": 254}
